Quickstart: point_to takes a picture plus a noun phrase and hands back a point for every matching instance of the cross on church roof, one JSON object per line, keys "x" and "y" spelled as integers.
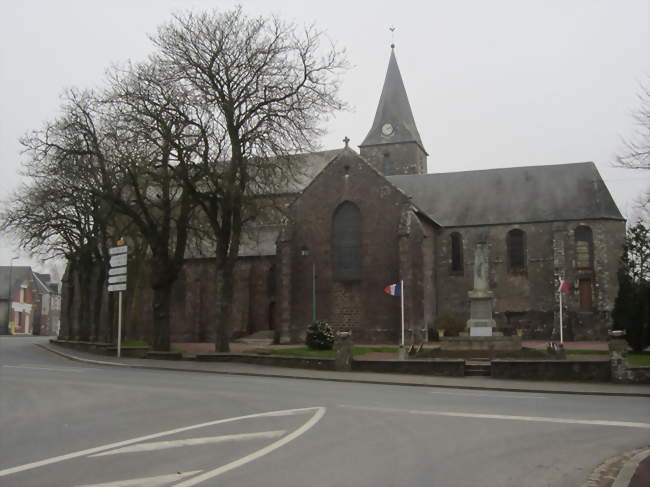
{"x": 346, "y": 140}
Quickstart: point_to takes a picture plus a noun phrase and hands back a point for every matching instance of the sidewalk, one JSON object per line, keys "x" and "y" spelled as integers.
{"x": 487, "y": 383}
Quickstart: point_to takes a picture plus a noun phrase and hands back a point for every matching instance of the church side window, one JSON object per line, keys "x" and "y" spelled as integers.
{"x": 584, "y": 247}
{"x": 516, "y": 241}
{"x": 456, "y": 252}
{"x": 346, "y": 242}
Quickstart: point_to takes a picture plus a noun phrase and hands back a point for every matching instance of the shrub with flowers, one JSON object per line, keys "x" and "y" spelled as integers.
{"x": 320, "y": 336}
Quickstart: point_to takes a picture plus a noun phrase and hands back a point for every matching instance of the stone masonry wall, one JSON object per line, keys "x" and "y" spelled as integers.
{"x": 360, "y": 305}
{"x": 402, "y": 158}
{"x": 528, "y": 300}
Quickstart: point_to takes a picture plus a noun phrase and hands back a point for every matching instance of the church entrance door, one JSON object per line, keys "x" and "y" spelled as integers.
{"x": 585, "y": 294}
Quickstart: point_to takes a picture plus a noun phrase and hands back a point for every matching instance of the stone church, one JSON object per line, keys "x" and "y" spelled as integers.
{"x": 357, "y": 222}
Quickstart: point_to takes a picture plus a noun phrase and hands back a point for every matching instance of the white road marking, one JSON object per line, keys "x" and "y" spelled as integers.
{"x": 55, "y": 369}
{"x": 163, "y": 445}
{"x": 146, "y": 481}
{"x": 495, "y": 395}
{"x": 90, "y": 451}
{"x": 320, "y": 412}
{"x": 542, "y": 419}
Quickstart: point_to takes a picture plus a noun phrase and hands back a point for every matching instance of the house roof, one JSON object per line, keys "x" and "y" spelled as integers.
{"x": 394, "y": 109}
{"x": 512, "y": 195}
{"x": 19, "y": 274}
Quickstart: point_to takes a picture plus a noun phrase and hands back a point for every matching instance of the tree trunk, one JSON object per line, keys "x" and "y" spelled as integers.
{"x": 66, "y": 302}
{"x": 100, "y": 284}
{"x": 224, "y": 305}
{"x": 161, "y": 306}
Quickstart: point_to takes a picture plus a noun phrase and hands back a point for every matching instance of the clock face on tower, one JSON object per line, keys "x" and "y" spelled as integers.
{"x": 387, "y": 129}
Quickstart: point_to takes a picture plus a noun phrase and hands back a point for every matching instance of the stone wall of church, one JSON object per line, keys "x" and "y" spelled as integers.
{"x": 193, "y": 308}
{"x": 528, "y": 300}
{"x": 392, "y": 159}
{"x": 357, "y": 305}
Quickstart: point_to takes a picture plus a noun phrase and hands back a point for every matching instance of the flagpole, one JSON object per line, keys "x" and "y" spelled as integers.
{"x": 402, "y": 302}
{"x": 561, "y": 336}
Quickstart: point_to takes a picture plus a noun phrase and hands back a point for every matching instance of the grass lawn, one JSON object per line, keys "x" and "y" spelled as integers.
{"x": 308, "y": 352}
{"x": 640, "y": 358}
{"x": 587, "y": 352}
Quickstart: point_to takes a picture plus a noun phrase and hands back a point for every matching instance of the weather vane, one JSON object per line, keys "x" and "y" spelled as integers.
{"x": 392, "y": 36}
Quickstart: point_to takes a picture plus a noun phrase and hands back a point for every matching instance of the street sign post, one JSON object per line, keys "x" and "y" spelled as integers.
{"x": 117, "y": 283}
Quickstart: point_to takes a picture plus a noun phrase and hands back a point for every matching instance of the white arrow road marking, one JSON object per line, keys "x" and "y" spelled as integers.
{"x": 162, "y": 445}
{"x": 319, "y": 411}
{"x": 542, "y": 419}
{"x": 146, "y": 481}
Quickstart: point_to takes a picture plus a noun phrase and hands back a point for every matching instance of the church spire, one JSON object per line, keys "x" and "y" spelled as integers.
{"x": 394, "y": 122}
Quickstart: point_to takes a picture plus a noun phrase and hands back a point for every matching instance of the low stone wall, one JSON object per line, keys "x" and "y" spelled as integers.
{"x": 102, "y": 348}
{"x": 452, "y": 368}
{"x": 491, "y": 343}
{"x": 629, "y": 374}
{"x": 94, "y": 347}
{"x": 273, "y": 360}
{"x": 560, "y": 370}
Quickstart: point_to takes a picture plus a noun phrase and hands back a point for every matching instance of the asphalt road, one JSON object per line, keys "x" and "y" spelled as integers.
{"x": 65, "y": 423}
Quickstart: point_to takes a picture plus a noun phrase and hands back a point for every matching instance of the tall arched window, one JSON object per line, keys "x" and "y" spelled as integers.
{"x": 516, "y": 242}
{"x": 346, "y": 242}
{"x": 584, "y": 247}
{"x": 456, "y": 252}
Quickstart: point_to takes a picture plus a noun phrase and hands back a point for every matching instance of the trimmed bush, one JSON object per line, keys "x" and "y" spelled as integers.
{"x": 320, "y": 336}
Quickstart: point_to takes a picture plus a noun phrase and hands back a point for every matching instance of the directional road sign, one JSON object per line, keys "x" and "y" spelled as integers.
{"x": 116, "y": 271}
{"x": 122, "y": 249}
{"x": 117, "y": 279}
{"x": 118, "y": 260}
{"x": 116, "y": 287}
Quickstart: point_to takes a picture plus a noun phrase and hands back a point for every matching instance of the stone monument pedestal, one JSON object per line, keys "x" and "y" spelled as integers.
{"x": 481, "y": 324}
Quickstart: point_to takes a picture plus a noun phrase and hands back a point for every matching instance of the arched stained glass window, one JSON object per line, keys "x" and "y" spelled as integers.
{"x": 516, "y": 242}
{"x": 346, "y": 242}
{"x": 584, "y": 247}
{"x": 456, "y": 252}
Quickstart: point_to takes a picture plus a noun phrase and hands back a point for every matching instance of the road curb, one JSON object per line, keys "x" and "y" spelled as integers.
{"x": 629, "y": 468}
{"x": 343, "y": 379}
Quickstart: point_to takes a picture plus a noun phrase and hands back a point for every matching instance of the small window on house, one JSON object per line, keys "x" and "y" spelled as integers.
{"x": 516, "y": 242}
{"x": 584, "y": 247}
{"x": 456, "y": 252}
{"x": 346, "y": 242}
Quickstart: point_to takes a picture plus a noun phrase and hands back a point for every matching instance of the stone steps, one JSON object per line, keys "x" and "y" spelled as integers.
{"x": 477, "y": 370}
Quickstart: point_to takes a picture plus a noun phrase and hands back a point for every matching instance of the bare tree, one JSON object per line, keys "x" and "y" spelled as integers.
{"x": 637, "y": 150}
{"x": 143, "y": 162}
{"x": 127, "y": 148}
{"x": 266, "y": 86}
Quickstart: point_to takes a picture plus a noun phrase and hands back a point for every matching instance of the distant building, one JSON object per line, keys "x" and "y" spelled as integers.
{"x": 29, "y": 302}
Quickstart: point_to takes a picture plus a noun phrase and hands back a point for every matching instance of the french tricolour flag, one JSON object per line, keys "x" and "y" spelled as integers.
{"x": 394, "y": 289}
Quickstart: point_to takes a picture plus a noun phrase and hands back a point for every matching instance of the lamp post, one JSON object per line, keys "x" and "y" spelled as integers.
{"x": 9, "y": 296}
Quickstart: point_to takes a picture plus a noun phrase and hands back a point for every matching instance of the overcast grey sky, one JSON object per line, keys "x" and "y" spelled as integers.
{"x": 492, "y": 83}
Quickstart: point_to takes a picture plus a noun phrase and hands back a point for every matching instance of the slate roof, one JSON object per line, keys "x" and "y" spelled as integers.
{"x": 393, "y": 108}
{"x": 512, "y": 195}
{"x": 19, "y": 274}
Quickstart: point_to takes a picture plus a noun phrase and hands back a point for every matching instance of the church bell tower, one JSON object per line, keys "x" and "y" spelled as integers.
{"x": 393, "y": 145}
